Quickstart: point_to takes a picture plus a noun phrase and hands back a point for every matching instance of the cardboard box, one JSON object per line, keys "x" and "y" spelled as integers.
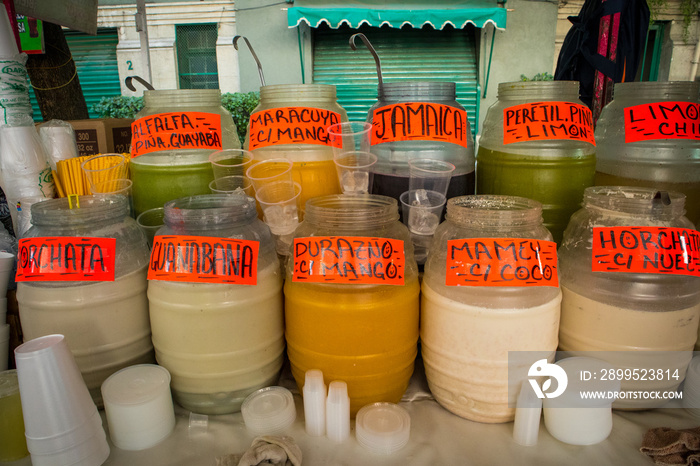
{"x": 102, "y": 135}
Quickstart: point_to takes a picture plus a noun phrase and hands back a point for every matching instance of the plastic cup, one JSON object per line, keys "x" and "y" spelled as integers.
{"x": 120, "y": 187}
{"x": 338, "y": 412}
{"x": 354, "y": 171}
{"x": 279, "y": 203}
{"x": 150, "y": 222}
{"x": 430, "y": 175}
{"x": 314, "y": 391}
{"x": 234, "y": 184}
{"x": 269, "y": 171}
{"x": 230, "y": 162}
{"x": 422, "y": 210}
{"x": 353, "y": 136}
{"x": 13, "y": 446}
{"x": 4, "y": 346}
{"x": 105, "y": 167}
{"x": 7, "y": 263}
{"x": 139, "y": 406}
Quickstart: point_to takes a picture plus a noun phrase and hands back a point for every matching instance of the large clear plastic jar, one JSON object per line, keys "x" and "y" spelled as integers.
{"x": 441, "y": 136}
{"x": 105, "y": 322}
{"x": 467, "y": 331}
{"x": 668, "y": 156}
{"x": 220, "y": 341}
{"x": 625, "y": 293}
{"x": 291, "y": 122}
{"x": 553, "y": 171}
{"x": 358, "y": 330}
{"x": 176, "y": 168}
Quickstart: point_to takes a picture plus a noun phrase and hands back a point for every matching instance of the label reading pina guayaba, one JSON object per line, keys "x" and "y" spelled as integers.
{"x": 204, "y": 259}
{"x": 175, "y": 131}
{"x": 66, "y": 258}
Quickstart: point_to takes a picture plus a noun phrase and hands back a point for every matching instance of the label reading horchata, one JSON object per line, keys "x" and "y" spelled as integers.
{"x": 66, "y": 258}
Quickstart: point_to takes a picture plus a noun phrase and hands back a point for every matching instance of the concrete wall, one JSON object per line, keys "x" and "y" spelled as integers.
{"x": 276, "y": 45}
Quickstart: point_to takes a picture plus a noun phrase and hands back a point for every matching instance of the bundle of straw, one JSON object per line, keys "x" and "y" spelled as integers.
{"x": 70, "y": 178}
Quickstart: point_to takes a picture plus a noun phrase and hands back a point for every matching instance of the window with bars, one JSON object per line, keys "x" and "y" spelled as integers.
{"x": 196, "y": 56}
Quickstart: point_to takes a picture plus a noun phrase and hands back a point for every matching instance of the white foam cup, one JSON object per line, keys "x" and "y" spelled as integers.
{"x": 139, "y": 406}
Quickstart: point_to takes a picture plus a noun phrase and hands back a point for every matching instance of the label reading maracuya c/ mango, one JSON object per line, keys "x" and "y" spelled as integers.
{"x": 662, "y": 120}
{"x": 349, "y": 259}
{"x": 291, "y": 125}
{"x": 646, "y": 250}
{"x": 66, "y": 258}
{"x": 547, "y": 120}
{"x": 204, "y": 259}
{"x": 419, "y": 121}
{"x": 501, "y": 262}
{"x": 175, "y": 131}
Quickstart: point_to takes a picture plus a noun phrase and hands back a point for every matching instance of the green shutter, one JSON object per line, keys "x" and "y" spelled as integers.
{"x": 96, "y": 60}
{"x": 406, "y": 54}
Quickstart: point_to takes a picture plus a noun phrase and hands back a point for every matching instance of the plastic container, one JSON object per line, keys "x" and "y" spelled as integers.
{"x": 13, "y": 446}
{"x": 537, "y": 142}
{"x": 471, "y": 315}
{"x": 269, "y": 411}
{"x": 179, "y": 166}
{"x": 105, "y": 322}
{"x": 362, "y": 331}
{"x": 291, "y": 122}
{"x": 449, "y": 138}
{"x": 219, "y": 340}
{"x": 648, "y": 136}
{"x": 618, "y": 296}
{"x": 338, "y": 412}
{"x": 314, "y": 391}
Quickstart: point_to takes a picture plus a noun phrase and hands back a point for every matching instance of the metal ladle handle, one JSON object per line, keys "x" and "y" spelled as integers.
{"x": 130, "y": 84}
{"x": 371, "y": 50}
{"x": 255, "y": 57}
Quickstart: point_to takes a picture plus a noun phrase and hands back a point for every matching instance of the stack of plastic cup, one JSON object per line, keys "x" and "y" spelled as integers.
{"x": 139, "y": 406}
{"x": 338, "y": 412}
{"x": 691, "y": 388}
{"x": 62, "y": 424}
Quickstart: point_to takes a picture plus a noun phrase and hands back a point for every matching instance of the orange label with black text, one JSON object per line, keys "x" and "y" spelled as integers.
{"x": 662, "y": 120}
{"x": 204, "y": 259}
{"x": 547, "y": 120}
{"x": 349, "y": 259}
{"x": 291, "y": 125}
{"x": 501, "y": 262}
{"x": 175, "y": 131}
{"x": 66, "y": 259}
{"x": 646, "y": 250}
{"x": 419, "y": 121}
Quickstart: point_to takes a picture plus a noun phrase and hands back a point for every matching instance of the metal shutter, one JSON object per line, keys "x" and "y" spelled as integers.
{"x": 406, "y": 54}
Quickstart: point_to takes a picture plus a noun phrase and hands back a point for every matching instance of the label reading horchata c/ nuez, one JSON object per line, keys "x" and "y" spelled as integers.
{"x": 66, "y": 258}
{"x": 501, "y": 262}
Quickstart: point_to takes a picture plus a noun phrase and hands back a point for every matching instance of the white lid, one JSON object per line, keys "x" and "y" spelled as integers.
{"x": 383, "y": 427}
{"x": 269, "y": 410}
{"x": 136, "y": 385}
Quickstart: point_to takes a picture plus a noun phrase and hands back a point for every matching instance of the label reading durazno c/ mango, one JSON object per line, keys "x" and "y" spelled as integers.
{"x": 291, "y": 125}
{"x": 175, "y": 131}
{"x": 646, "y": 250}
{"x": 204, "y": 259}
{"x": 349, "y": 259}
{"x": 547, "y": 120}
{"x": 501, "y": 262}
{"x": 419, "y": 121}
{"x": 662, "y": 120}
{"x": 66, "y": 258}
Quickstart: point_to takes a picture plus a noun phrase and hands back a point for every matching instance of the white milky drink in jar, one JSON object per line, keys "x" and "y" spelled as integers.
{"x": 631, "y": 294}
{"x": 82, "y": 273}
{"x": 490, "y": 288}
{"x": 215, "y": 294}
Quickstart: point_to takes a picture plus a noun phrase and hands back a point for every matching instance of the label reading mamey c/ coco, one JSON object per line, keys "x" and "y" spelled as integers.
{"x": 204, "y": 259}
{"x": 646, "y": 250}
{"x": 501, "y": 262}
{"x": 291, "y": 125}
{"x": 547, "y": 120}
{"x": 349, "y": 259}
{"x": 175, "y": 131}
{"x": 419, "y": 121}
{"x": 662, "y": 120}
{"x": 66, "y": 258}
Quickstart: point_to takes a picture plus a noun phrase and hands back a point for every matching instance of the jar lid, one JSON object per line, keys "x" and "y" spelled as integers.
{"x": 383, "y": 427}
{"x": 269, "y": 411}
{"x": 8, "y": 383}
{"x": 136, "y": 385}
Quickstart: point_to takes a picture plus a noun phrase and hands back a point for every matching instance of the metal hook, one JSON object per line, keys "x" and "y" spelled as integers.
{"x": 371, "y": 50}
{"x": 131, "y": 87}
{"x": 255, "y": 57}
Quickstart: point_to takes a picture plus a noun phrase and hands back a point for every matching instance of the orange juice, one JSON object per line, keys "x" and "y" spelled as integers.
{"x": 365, "y": 335}
{"x": 316, "y": 177}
